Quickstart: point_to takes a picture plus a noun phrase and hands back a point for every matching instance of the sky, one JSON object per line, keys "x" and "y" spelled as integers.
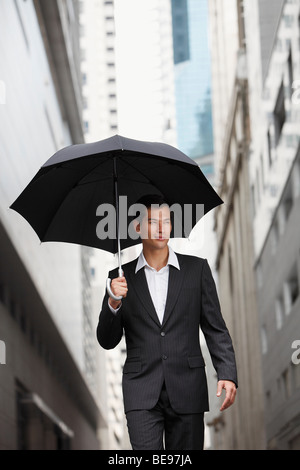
{"x": 138, "y": 64}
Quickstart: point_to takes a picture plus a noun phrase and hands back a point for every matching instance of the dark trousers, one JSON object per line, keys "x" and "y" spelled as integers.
{"x": 151, "y": 429}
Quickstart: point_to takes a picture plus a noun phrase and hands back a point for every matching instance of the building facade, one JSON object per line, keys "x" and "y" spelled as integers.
{"x": 275, "y": 186}
{"x": 240, "y": 427}
{"x": 46, "y": 400}
{"x": 98, "y": 69}
{"x": 258, "y": 239}
{"x": 128, "y": 88}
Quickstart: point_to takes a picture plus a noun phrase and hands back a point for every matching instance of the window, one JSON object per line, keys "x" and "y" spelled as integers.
{"x": 269, "y": 148}
{"x": 296, "y": 375}
{"x": 262, "y": 172}
{"x": 264, "y": 340}
{"x": 253, "y": 200}
{"x": 287, "y": 202}
{"x": 291, "y": 74}
{"x": 230, "y": 270}
{"x": 258, "y": 186}
{"x": 279, "y": 114}
{"x": 38, "y": 426}
{"x": 299, "y": 29}
{"x": 259, "y": 277}
{"x": 286, "y": 381}
{"x": 291, "y": 290}
{"x": 279, "y": 312}
{"x": 84, "y": 78}
{"x": 296, "y": 180}
{"x": 274, "y": 237}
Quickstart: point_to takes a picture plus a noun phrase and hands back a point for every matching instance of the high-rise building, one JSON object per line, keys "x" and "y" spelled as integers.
{"x": 98, "y": 69}
{"x": 193, "y": 81}
{"x": 257, "y": 228}
{"x": 46, "y": 402}
{"x": 241, "y": 426}
{"x": 100, "y": 120}
{"x": 273, "y": 67}
{"x": 127, "y": 85}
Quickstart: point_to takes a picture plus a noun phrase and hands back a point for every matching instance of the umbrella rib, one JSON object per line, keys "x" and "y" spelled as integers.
{"x": 91, "y": 171}
{"x": 149, "y": 180}
{"x": 141, "y": 173}
{"x": 184, "y": 166}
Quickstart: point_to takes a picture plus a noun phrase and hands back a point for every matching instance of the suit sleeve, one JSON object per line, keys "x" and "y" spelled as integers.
{"x": 217, "y": 337}
{"x": 110, "y": 326}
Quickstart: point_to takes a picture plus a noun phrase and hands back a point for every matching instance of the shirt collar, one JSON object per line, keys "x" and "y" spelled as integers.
{"x": 172, "y": 260}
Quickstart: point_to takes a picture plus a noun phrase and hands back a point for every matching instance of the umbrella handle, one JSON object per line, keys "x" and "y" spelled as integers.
{"x": 110, "y": 292}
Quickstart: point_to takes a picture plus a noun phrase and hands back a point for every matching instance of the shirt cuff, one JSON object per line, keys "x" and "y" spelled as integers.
{"x": 114, "y": 310}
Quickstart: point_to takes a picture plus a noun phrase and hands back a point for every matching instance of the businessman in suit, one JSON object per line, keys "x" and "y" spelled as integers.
{"x": 166, "y": 297}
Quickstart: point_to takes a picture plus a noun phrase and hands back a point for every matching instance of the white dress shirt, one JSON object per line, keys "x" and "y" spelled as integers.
{"x": 157, "y": 282}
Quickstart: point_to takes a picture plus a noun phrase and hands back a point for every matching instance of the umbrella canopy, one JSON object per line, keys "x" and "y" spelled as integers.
{"x": 62, "y": 201}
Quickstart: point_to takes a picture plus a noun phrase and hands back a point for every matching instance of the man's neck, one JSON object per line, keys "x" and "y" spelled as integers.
{"x": 157, "y": 259}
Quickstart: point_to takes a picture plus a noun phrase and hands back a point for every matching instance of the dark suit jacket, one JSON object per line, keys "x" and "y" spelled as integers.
{"x": 169, "y": 352}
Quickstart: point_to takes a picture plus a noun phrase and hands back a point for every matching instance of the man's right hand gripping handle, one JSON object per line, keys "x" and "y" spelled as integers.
{"x": 118, "y": 288}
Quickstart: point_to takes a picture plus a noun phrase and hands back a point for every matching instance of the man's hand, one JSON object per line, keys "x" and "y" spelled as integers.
{"x": 118, "y": 287}
{"x": 230, "y": 393}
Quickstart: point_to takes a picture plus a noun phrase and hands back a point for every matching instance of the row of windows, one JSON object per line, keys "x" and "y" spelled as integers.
{"x": 36, "y": 340}
{"x": 287, "y": 298}
{"x": 278, "y": 118}
{"x": 86, "y": 127}
{"x": 291, "y": 194}
{"x": 286, "y": 385}
{"x": 284, "y": 304}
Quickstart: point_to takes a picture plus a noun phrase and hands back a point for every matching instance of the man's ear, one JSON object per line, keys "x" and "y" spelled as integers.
{"x": 137, "y": 226}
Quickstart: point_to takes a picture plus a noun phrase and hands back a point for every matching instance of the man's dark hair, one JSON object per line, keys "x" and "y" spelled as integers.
{"x": 153, "y": 199}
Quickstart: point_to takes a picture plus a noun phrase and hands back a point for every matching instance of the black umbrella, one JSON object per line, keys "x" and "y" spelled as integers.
{"x": 62, "y": 201}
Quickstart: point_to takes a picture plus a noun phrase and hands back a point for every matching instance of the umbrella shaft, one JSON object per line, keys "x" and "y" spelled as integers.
{"x": 117, "y": 216}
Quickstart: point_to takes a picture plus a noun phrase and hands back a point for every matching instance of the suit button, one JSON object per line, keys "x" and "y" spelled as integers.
{"x": 163, "y": 333}
{"x": 165, "y": 357}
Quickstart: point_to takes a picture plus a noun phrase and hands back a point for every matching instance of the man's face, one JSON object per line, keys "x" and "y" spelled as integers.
{"x": 155, "y": 227}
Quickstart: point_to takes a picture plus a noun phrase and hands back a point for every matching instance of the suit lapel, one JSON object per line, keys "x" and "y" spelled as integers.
{"x": 140, "y": 285}
{"x": 174, "y": 286}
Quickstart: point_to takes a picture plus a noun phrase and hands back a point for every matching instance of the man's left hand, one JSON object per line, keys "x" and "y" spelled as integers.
{"x": 230, "y": 393}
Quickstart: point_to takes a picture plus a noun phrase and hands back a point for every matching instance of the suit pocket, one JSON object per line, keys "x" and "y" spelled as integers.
{"x": 132, "y": 366}
{"x": 196, "y": 361}
{"x": 133, "y": 353}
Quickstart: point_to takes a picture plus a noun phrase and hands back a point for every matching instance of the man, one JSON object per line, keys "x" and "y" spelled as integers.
{"x": 166, "y": 296}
